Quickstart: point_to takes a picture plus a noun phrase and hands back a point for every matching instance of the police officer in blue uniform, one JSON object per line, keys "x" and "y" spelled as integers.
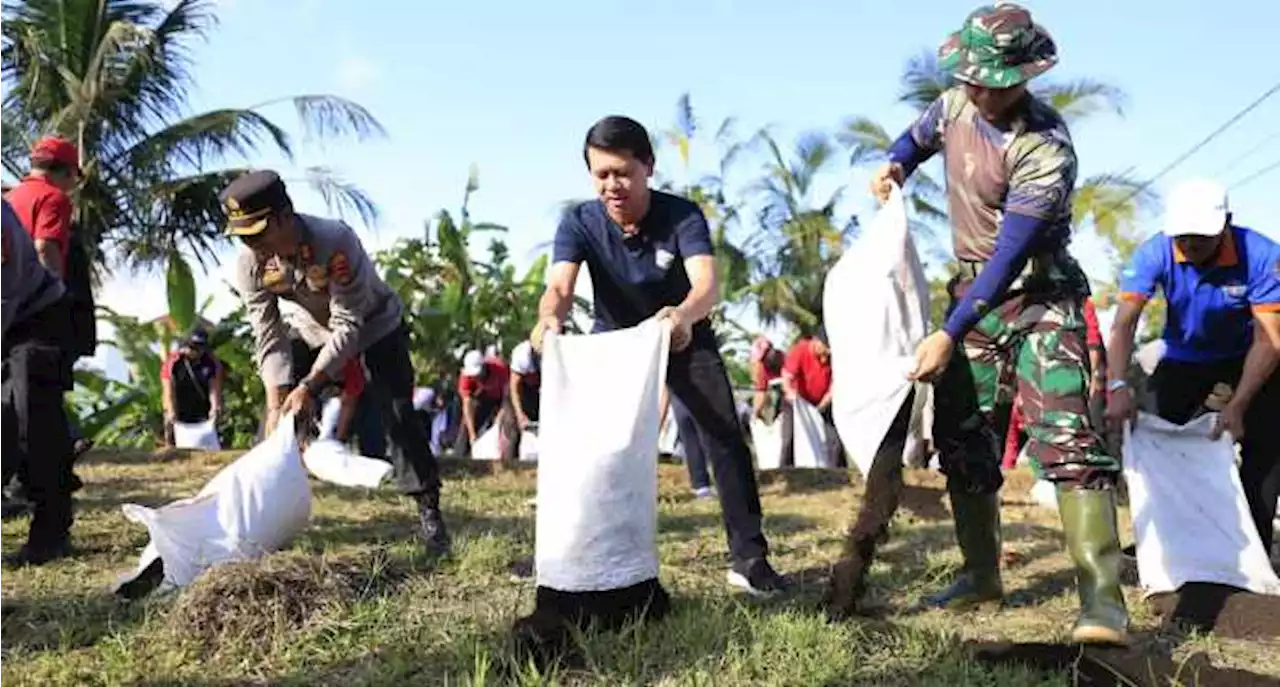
{"x": 1221, "y": 282}
{"x": 650, "y": 255}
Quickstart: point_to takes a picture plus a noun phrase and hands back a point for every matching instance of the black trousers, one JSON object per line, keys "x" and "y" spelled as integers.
{"x": 1181, "y": 388}
{"x": 696, "y": 377}
{"x": 695, "y": 460}
{"x": 531, "y": 401}
{"x": 37, "y": 445}
{"x": 833, "y": 446}
{"x": 391, "y": 386}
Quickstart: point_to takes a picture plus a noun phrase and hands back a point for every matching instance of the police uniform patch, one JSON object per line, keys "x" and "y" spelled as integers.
{"x": 317, "y": 277}
{"x": 340, "y": 268}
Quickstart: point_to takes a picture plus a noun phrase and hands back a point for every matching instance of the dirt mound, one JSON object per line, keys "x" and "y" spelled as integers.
{"x": 1103, "y": 667}
{"x": 1223, "y": 610}
{"x": 260, "y": 602}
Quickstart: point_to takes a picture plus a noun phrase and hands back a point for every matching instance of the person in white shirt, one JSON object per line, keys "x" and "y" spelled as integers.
{"x": 521, "y": 406}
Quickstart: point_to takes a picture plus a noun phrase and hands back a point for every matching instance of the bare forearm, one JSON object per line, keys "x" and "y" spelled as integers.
{"x": 1120, "y": 347}
{"x": 469, "y": 417}
{"x": 1259, "y": 364}
{"x": 50, "y": 256}
{"x": 554, "y": 303}
{"x": 1096, "y": 362}
{"x": 516, "y": 401}
{"x": 699, "y": 303}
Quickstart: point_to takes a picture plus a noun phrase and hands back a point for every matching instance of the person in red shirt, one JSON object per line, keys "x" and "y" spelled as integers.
{"x": 42, "y": 203}
{"x": 766, "y": 374}
{"x": 482, "y": 387}
{"x": 806, "y": 375}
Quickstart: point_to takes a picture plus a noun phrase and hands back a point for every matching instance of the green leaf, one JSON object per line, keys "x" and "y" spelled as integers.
{"x": 182, "y": 293}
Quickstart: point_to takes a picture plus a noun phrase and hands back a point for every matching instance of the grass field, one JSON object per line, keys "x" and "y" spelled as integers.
{"x": 351, "y": 602}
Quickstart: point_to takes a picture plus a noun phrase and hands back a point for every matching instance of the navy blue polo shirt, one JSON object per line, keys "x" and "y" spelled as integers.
{"x": 1211, "y": 308}
{"x": 633, "y": 277}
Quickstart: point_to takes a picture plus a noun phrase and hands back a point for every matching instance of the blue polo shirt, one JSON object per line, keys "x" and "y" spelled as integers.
{"x": 633, "y": 277}
{"x": 1210, "y": 309}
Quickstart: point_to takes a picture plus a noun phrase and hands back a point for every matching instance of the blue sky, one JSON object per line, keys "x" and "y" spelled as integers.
{"x": 512, "y": 87}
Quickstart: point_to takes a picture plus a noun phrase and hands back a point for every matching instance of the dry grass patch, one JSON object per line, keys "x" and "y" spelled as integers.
{"x": 351, "y": 602}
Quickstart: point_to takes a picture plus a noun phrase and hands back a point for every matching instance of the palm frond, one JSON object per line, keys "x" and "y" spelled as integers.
{"x": 923, "y": 82}
{"x": 343, "y": 197}
{"x": 865, "y": 140}
{"x": 1081, "y": 98}
{"x": 326, "y": 117}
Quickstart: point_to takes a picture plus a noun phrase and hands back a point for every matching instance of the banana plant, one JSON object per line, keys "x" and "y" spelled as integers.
{"x": 455, "y": 301}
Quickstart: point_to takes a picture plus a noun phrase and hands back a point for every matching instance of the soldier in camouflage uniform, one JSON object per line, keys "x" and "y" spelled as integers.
{"x": 1018, "y": 308}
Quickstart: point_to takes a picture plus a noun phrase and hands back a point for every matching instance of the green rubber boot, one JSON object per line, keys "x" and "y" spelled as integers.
{"x": 977, "y": 518}
{"x": 1093, "y": 539}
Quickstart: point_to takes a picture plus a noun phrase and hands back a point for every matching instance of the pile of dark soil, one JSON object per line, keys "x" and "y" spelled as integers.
{"x": 1221, "y": 609}
{"x": 549, "y": 635}
{"x": 1104, "y": 667}
{"x": 259, "y": 602}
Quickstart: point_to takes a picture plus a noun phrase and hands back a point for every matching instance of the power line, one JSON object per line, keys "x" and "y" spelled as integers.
{"x": 1253, "y": 150}
{"x": 1192, "y": 151}
{"x": 1269, "y": 168}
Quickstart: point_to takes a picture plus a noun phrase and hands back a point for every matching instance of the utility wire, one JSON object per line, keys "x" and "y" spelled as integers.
{"x": 1255, "y": 175}
{"x": 1192, "y": 151}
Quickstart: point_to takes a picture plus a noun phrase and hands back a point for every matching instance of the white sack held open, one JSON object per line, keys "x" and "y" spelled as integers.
{"x": 876, "y": 301}
{"x": 597, "y": 515}
{"x": 809, "y": 437}
{"x": 202, "y": 436}
{"x": 249, "y": 509}
{"x": 767, "y": 441}
{"x": 332, "y": 461}
{"x": 1190, "y": 517}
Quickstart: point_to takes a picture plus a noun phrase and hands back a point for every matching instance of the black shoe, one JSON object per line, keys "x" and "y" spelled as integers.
{"x": 38, "y": 554}
{"x": 431, "y": 524}
{"x": 145, "y": 583}
{"x": 756, "y": 577}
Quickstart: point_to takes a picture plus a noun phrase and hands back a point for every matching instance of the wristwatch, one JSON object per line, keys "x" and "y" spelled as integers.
{"x": 1117, "y": 384}
{"x": 310, "y": 385}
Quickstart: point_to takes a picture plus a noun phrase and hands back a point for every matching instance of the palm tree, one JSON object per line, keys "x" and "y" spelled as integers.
{"x": 797, "y": 240}
{"x": 113, "y": 76}
{"x": 1111, "y": 202}
{"x": 733, "y": 267}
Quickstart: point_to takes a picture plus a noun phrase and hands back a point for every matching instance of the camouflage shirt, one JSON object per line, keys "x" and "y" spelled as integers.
{"x": 1028, "y": 167}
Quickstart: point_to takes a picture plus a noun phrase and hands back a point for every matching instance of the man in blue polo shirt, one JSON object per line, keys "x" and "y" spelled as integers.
{"x": 650, "y": 255}
{"x": 1222, "y": 286}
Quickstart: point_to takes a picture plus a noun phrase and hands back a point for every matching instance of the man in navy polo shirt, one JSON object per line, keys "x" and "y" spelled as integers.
{"x": 1222, "y": 286}
{"x": 650, "y": 255}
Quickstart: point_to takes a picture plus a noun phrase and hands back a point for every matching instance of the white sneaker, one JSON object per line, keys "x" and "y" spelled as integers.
{"x": 703, "y": 493}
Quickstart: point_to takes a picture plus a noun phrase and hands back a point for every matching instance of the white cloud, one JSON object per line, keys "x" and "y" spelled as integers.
{"x": 355, "y": 72}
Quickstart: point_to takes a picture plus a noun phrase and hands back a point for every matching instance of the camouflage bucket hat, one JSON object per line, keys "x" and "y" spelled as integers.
{"x": 998, "y": 47}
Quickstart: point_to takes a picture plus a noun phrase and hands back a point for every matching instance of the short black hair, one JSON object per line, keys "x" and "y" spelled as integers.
{"x": 618, "y": 134}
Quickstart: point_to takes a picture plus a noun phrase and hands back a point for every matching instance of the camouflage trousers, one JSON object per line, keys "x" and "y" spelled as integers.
{"x": 1033, "y": 344}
